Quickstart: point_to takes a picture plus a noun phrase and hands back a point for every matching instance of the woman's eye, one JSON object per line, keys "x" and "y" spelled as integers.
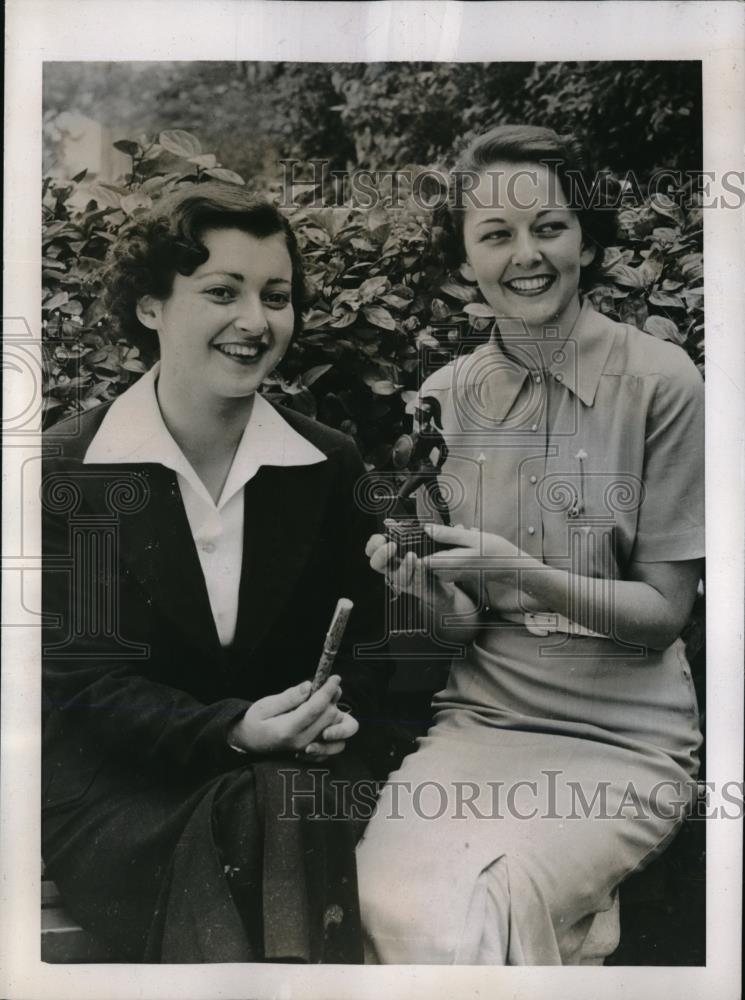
{"x": 277, "y": 300}
{"x": 496, "y": 235}
{"x": 221, "y": 293}
{"x": 550, "y": 228}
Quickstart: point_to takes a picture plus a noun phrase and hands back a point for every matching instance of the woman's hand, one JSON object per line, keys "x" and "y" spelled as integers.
{"x": 471, "y": 551}
{"x": 651, "y": 606}
{"x": 292, "y": 721}
{"x": 415, "y": 576}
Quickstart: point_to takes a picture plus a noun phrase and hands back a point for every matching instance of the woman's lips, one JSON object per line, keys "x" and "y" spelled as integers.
{"x": 530, "y": 286}
{"x": 242, "y": 353}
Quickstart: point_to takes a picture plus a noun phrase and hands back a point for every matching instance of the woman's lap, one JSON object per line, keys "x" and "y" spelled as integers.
{"x": 230, "y": 869}
{"x": 568, "y": 820}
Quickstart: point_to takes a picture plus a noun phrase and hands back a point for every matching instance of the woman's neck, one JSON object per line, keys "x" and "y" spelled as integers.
{"x": 545, "y": 346}
{"x": 208, "y": 431}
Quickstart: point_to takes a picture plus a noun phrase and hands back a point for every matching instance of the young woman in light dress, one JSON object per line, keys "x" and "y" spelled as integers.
{"x": 564, "y": 744}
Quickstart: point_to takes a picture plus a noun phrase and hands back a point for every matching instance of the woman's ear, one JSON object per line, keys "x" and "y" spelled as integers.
{"x": 148, "y": 311}
{"x": 467, "y": 271}
{"x": 587, "y": 253}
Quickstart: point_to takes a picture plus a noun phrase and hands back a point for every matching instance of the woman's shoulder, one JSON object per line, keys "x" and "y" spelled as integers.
{"x": 638, "y": 353}
{"x": 70, "y": 437}
{"x": 326, "y": 439}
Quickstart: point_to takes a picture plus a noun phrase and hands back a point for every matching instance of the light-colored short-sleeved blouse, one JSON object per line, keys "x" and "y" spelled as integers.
{"x": 588, "y": 455}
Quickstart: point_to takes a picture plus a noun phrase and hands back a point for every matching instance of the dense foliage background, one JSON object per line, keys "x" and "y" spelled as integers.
{"x": 380, "y": 297}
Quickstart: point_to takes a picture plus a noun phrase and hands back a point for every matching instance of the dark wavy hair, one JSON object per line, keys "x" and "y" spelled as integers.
{"x": 168, "y": 240}
{"x": 593, "y": 196}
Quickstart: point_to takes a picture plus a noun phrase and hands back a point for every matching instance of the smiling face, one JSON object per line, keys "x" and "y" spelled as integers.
{"x": 224, "y": 327}
{"x": 524, "y": 247}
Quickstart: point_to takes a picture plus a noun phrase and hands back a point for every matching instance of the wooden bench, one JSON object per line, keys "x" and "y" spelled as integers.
{"x": 62, "y": 941}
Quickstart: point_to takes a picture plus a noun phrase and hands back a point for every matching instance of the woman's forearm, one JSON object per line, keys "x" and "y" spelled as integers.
{"x": 628, "y": 610}
{"x": 449, "y": 601}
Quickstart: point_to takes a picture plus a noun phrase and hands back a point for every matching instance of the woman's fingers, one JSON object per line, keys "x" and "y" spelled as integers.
{"x": 474, "y": 544}
{"x": 374, "y": 543}
{"x": 466, "y": 538}
{"x": 308, "y": 714}
{"x": 404, "y": 575}
{"x": 285, "y": 701}
{"x": 312, "y": 733}
{"x": 342, "y": 730}
{"x": 319, "y": 751}
{"x": 382, "y": 556}
{"x": 452, "y": 564}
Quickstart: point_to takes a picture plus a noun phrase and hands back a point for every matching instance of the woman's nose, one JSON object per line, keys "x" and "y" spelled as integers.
{"x": 526, "y": 252}
{"x": 250, "y": 316}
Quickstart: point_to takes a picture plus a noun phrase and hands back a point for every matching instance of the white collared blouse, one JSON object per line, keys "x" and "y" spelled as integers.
{"x": 133, "y": 431}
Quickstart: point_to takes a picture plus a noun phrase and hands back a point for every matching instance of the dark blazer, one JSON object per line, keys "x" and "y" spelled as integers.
{"x": 134, "y": 675}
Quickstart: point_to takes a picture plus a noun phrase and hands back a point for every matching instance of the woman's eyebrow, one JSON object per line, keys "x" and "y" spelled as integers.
{"x": 239, "y": 277}
{"x": 222, "y": 274}
{"x": 494, "y": 218}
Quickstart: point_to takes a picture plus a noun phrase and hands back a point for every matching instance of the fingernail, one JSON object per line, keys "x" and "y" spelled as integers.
{"x": 312, "y": 748}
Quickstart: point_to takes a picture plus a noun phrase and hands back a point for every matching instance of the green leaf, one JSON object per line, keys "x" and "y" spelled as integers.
{"x": 664, "y": 329}
{"x": 396, "y": 302}
{"x": 135, "y": 201}
{"x": 464, "y": 293}
{"x": 379, "y": 316}
{"x": 624, "y": 275}
{"x": 206, "y": 161}
{"x": 425, "y": 339}
{"x": 440, "y": 312}
{"x": 95, "y": 357}
{"x": 229, "y": 176}
{"x": 133, "y": 365}
{"x": 72, "y": 308}
{"x": 180, "y": 143}
{"x": 79, "y": 177}
{"x": 56, "y": 301}
{"x": 660, "y": 298}
{"x": 372, "y": 287}
{"x": 378, "y": 222}
{"x": 663, "y": 205}
{"x": 316, "y": 318}
{"x": 318, "y": 236}
{"x": 634, "y": 310}
{"x": 104, "y": 196}
{"x": 479, "y": 309}
{"x": 127, "y": 146}
{"x": 384, "y": 387}
{"x": 313, "y": 374}
{"x": 665, "y": 235}
{"x": 344, "y": 319}
{"x": 347, "y": 296}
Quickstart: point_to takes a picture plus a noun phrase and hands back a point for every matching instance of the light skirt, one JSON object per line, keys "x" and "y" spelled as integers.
{"x": 544, "y": 782}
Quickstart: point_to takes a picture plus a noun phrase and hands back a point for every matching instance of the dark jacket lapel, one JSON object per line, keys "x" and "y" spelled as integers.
{"x": 155, "y": 543}
{"x": 283, "y": 507}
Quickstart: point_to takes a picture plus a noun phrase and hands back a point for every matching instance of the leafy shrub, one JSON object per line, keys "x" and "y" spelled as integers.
{"x": 379, "y": 293}
{"x": 631, "y": 114}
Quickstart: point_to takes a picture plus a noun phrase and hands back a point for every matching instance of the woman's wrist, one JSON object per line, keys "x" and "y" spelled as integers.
{"x": 234, "y": 738}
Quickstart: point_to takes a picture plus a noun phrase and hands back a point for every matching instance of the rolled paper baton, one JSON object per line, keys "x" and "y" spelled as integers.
{"x": 332, "y": 642}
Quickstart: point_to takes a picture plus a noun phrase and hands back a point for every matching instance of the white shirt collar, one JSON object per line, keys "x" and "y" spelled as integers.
{"x": 133, "y": 431}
